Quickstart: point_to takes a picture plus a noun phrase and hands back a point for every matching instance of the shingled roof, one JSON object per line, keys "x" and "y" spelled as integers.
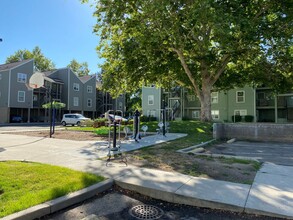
{"x": 9, "y": 66}
{"x": 86, "y": 78}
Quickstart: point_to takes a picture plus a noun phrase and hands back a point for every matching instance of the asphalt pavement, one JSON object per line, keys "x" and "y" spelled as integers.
{"x": 271, "y": 194}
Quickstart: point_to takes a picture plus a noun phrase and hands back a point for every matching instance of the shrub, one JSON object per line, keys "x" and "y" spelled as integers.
{"x": 87, "y": 123}
{"x": 236, "y": 118}
{"x": 185, "y": 118}
{"x": 99, "y": 122}
{"x": 248, "y": 118}
{"x": 143, "y": 118}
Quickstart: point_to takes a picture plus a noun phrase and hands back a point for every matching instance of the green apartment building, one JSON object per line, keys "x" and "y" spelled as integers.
{"x": 245, "y": 104}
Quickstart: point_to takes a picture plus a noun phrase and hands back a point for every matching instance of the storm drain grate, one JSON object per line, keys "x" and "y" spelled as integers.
{"x": 146, "y": 212}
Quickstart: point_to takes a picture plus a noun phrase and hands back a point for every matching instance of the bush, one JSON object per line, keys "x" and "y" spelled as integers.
{"x": 185, "y": 118}
{"x": 99, "y": 122}
{"x": 238, "y": 118}
{"x": 87, "y": 123}
{"x": 248, "y": 118}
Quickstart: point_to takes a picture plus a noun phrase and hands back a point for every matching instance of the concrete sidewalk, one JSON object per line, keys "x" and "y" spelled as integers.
{"x": 271, "y": 193}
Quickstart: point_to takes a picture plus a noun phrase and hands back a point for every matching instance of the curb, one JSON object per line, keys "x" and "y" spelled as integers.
{"x": 175, "y": 197}
{"x": 61, "y": 202}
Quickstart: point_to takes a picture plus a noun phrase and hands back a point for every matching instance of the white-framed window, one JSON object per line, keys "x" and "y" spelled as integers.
{"x": 75, "y": 86}
{"x": 191, "y": 98}
{"x": 120, "y": 105}
{"x": 21, "y": 77}
{"x": 241, "y": 112}
{"x": 214, "y": 97}
{"x": 151, "y": 100}
{"x": 195, "y": 114}
{"x": 35, "y": 98}
{"x": 89, "y": 89}
{"x": 21, "y": 96}
{"x": 75, "y": 101}
{"x": 151, "y": 113}
{"x": 240, "y": 96}
{"x": 89, "y": 102}
{"x": 215, "y": 114}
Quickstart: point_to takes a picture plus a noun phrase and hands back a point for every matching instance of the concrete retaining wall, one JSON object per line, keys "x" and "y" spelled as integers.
{"x": 254, "y": 131}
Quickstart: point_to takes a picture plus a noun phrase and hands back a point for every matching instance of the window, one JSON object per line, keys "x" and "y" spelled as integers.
{"x": 191, "y": 98}
{"x": 240, "y": 96}
{"x": 151, "y": 113}
{"x": 151, "y": 99}
{"x": 89, "y": 102}
{"x": 75, "y": 101}
{"x": 120, "y": 105}
{"x": 195, "y": 114}
{"x": 89, "y": 89}
{"x": 214, "y": 97}
{"x": 21, "y": 96}
{"x": 215, "y": 114}
{"x": 75, "y": 86}
{"x": 21, "y": 77}
{"x": 241, "y": 112}
{"x": 35, "y": 98}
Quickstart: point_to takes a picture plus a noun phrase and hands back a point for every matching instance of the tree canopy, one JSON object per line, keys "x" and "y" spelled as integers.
{"x": 80, "y": 69}
{"x": 42, "y": 63}
{"x": 201, "y": 45}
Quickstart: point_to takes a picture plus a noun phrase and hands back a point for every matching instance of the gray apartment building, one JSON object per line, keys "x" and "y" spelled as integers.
{"x": 17, "y": 99}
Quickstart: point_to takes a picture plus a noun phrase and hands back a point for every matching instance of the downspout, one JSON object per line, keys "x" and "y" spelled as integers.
{"x": 68, "y": 96}
{"x": 160, "y": 103}
{"x": 8, "y": 101}
{"x": 254, "y": 108}
{"x": 276, "y": 108}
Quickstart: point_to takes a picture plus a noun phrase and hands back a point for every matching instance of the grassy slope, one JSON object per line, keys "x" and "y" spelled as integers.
{"x": 25, "y": 184}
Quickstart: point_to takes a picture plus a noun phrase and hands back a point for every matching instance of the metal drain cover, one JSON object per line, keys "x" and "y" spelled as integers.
{"x": 146, "y": 212}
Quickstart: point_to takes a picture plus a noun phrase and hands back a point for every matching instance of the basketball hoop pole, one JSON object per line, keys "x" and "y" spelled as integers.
{"x": 51, "y": 109}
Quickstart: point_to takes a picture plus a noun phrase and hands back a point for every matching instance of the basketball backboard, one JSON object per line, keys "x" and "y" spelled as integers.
{"x": 36, "y": 80}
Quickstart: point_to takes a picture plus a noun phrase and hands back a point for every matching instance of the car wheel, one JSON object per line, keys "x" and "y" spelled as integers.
{"x": 63, "y": 123}
{"x": 78, "y": 123}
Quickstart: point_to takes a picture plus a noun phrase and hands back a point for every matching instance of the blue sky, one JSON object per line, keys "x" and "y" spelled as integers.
{"x": 61, "y": 28}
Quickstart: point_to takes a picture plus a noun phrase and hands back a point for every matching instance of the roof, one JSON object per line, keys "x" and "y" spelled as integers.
{"x": 86, "y": 78}
{"x": 9, "y": 66}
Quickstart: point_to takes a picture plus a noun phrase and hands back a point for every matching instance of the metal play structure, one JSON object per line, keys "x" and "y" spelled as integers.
{"x": 114, "y": 138}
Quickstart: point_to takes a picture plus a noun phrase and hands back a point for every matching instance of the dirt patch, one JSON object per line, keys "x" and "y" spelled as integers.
{"x": 208, "y": 167}
{"x": 66, "y": 134}
{"x": 162, "y": 158}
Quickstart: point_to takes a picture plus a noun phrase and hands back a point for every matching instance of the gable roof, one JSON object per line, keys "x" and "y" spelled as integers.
{"x": 9, "y": 66}
{"x": 86, "y": 78}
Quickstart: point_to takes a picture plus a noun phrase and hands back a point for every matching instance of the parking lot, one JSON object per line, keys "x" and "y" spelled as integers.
{"x": 274, "y": 152}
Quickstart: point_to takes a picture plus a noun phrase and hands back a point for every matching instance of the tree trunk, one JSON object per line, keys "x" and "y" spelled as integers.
{"x": 205, "y": 103}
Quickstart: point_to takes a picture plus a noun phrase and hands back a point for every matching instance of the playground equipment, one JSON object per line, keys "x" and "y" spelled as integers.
{"x": 136, "y": 121}
{"x": 114, "y": 147}
{"x": 163, "y": 124}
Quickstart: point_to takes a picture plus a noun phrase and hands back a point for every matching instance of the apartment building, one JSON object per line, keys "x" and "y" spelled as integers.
{"x": 17, "y": 99}
{"x": 247, "y": 103}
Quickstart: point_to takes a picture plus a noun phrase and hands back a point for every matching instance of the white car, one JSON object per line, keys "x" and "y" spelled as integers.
{"x": 73, "y": 119}
{"x": 117, "y": 118}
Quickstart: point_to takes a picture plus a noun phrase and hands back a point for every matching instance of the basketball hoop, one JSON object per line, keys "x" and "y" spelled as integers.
{"x": 36, "y": 80}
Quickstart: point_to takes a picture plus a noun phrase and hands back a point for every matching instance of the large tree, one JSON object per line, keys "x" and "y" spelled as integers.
{"x": 42, "y": 63}
{"x": 201, "y": 44}
{"x": 80, "y": 69}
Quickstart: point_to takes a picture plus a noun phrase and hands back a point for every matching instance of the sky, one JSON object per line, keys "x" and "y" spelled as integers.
{"x": 61, "y": 28}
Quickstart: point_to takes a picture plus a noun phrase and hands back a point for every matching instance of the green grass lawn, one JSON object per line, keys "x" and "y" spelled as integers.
{"x": 25, "y": 184}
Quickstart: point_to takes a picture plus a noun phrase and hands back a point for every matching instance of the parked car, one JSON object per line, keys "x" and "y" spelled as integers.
{"x": 16, "y": 119}
{"x": 73, "y": 119}
{"x": 117, "y": 118}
